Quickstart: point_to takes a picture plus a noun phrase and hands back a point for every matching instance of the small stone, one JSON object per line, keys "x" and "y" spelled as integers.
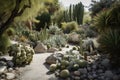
{"x": 116, "y": 77}
{"x": 10, "y": 76}
{"x": 10, "y": 69}
{"x": 75, "y": 52}
{"x": 76, "y": 73}
{"x": 108, "y": 74}
{"x": 52, "y": 49}
{"x": 2, "y": 69}
{"x": 83, "y": 71}
{"x": 3, "y": 76}
{"x": 94, "y": 66}
{"x": 100, "y": 71}
{"x": 10, "y": 64}
{"x": 89, "y": 68}
{"x": 94, "y": 76}
{"x": 105, "y": 63}
{"x": 90, "y": 76}
{"x": 77, "y": 78}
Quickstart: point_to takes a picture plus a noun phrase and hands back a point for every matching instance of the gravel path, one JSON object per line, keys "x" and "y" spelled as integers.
{"x": 37, "y": 70}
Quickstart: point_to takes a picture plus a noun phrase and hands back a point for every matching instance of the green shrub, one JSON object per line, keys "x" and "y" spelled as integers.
{"x": 69, "y": 27}
{"x": 4, "y": 43}
{"x": 110, "y": 44}
{"x": 53, "y": 29}
{"x": 43, "y": 35}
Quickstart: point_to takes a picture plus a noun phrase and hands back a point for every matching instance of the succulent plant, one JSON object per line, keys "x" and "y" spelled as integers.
{"x": 64, "y": 73}
{"x": 53, "y": 67}
{"x": 22, "y": 55}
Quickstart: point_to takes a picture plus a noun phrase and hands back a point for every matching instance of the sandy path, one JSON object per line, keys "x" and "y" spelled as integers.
{"x": 37, "y": 70}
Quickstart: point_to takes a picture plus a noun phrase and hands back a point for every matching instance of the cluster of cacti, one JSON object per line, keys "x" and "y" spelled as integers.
{"x": 67, "y": 63}
{"x": 75, "y": 13}
{"x": 22, "y": 55}
{"x": 56, "y": 41}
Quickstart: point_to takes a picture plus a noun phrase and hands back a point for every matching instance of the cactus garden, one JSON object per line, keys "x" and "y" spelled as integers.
{"x": 59, "y": 40}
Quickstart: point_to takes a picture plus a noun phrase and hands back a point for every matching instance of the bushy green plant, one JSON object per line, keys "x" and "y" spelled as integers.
{"x": 110, "y": 44}
{"x": 53, "y": 29}
{"x": 22, "y": 55}
{"x": 43, "y": 35}
{"x": 100, "y": 21}
{"x": 69, "y": 27}
{"x": 56, "y": 41}
{"x": 108, "y": 19}
{"x": 4, "y": 43}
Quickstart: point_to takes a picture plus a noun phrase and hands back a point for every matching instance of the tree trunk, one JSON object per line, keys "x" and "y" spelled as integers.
{"x": 14, "y": 14}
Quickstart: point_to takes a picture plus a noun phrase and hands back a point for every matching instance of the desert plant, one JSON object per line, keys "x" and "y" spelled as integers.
{"x": 100, "y": 21}
{"x": 108, "y": 19}
{"x": 22, "y": 55}
{"x": 56, "y": 41}
{"x": 43, "y": 35}
{"x": 53, "y": 29}
{"x": 109, "y": 44}
{"x": 4, "y": 43}
{"x": 69, "y": 27}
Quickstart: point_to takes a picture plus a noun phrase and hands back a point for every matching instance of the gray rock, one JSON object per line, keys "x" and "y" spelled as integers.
{"x": 10, "y": 76}
{"x": 51, "y": 59}
{"x": 105, "y": 62}
{"x": 10, "y": 69}
{"x": 94, "y": 66}
{"x": 76, "y": 78}
{"x": 77, "y": 73}
{"x": 52, "y": 49}
{"x": 100, "y": 71}
{"x": 83, "y": 71}
{"x": 90, "y": 77}
{"x": 94, "y": 75}
{"x": 10, "y": 64}
{"x": 116, "y": 77}
{"x": 75, "y": 52}
{"x": 40, "y": 48}
{"x": 89, "y": 68}
{"x": 2, "y": 69}
{"x": 108, "y": 74}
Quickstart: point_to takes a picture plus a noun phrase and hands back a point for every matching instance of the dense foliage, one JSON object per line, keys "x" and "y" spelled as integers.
{"x": 109, "y": 44}
{"x": 108, "y": 19}
{"x": 100, "y": 5}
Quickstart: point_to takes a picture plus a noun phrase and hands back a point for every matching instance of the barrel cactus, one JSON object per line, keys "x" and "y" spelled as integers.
{"x": 22, "y": 55}
{"x": 53, "y": 67}
{"x": 64, "y": 73}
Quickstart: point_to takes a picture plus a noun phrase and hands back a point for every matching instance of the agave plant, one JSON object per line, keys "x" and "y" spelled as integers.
{"x": 110, "y": 44}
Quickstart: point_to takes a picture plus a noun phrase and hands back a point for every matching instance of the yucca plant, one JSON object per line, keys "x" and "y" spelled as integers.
{"x": 100, "y": 21}
{"x": 108, "y": 19}
{"x": 110, "y": 44}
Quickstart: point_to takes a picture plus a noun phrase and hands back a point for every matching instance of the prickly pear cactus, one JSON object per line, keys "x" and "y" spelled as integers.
{"x": 22, "y": 55}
